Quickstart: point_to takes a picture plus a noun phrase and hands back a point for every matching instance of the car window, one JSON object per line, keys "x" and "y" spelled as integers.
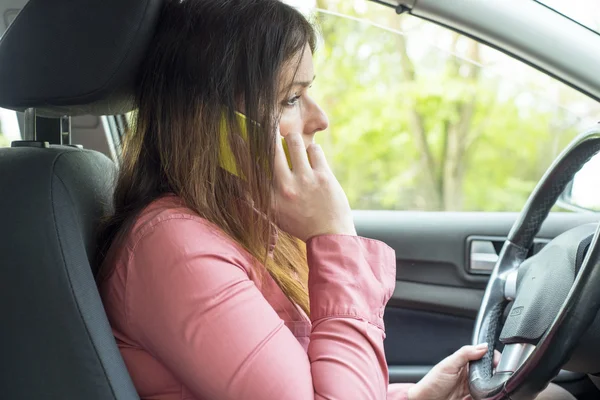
{"x": 9, "y": 127}
{"x": 422, "y": 118}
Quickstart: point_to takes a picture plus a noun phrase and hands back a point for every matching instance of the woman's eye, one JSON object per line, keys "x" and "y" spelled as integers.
{"x": 293, "y": 101}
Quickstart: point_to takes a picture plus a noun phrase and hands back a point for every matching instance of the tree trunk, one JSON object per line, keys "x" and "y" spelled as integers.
{"x": 417, "y": 128}
{"x": 458, "y": 133}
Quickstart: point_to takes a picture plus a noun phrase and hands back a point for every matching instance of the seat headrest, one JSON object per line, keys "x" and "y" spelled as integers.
{"x": 67, "y": 57}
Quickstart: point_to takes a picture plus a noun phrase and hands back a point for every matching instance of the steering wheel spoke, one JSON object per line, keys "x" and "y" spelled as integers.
{"x": 513, "y": 356}
{"x": 510, "y": 285}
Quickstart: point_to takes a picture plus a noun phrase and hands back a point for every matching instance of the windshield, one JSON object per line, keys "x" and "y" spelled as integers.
{"x": 585, "y": 12}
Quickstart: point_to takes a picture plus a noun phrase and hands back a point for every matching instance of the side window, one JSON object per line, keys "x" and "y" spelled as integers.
{"x": 9, "y": 127}
{"x": 423, "y": 118}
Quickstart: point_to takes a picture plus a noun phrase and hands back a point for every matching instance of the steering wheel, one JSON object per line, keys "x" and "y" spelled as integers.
{"x": 556, "y": 293}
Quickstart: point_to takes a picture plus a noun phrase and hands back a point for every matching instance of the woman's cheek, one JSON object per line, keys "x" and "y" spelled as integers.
{"x": 290, "y": 122}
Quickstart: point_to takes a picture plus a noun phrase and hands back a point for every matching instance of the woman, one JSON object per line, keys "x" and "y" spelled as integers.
{"x": 245, "y": 282}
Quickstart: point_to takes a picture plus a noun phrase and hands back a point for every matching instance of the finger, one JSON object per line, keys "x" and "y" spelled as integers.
{"x": 297, "y": 152}
{"x": 281, "y": 167}
{"x": 463, "y": 355}
{"x": 317, "y": 157}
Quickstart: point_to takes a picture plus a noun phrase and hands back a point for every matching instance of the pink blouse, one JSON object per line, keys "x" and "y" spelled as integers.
{"x": 193, "y": 320}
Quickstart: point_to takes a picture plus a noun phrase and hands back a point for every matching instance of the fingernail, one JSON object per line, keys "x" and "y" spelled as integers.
{"x": 481, "y": 346}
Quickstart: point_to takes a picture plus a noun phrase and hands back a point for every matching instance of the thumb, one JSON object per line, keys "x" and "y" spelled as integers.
{"x": 462, "y": 356}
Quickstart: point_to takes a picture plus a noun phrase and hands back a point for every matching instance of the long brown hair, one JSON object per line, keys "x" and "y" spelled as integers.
{"x": 207, "y": 58}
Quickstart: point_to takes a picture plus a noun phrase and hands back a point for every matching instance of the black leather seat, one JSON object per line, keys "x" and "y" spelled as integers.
{"x": 62, "y": 58}
{"x": 55, "y": 341}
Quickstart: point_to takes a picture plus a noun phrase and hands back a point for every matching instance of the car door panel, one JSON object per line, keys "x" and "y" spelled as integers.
{"x": 419, "y": 338}
{"x": 433, "y": 309}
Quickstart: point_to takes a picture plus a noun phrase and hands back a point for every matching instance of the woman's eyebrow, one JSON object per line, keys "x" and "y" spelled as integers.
{"x": 304, "y": 83}
{"x": 285, "y": 90}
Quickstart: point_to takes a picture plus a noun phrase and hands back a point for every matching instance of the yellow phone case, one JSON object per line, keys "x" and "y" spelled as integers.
{"x": 226, "y": 155}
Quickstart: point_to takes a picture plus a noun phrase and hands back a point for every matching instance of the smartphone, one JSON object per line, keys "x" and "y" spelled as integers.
{"x": 226, "y": 156}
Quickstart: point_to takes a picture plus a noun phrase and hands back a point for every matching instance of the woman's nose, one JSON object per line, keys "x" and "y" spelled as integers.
{"x": 317, "y": 120}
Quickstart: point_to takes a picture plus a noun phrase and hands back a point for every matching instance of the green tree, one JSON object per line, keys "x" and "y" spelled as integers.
{"x": 417, "y": 127}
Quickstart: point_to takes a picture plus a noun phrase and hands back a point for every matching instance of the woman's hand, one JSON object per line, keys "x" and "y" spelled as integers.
{"x": 449, "y": 379}
{"x": 308, "y": 199}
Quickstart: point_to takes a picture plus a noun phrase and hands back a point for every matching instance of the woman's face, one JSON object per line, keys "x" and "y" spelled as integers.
{"x": 300, "y": 112}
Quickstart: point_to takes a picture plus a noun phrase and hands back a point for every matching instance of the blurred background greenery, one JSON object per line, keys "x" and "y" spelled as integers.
{"x": 4, "y": 141}
{"x": 423, "y": 118}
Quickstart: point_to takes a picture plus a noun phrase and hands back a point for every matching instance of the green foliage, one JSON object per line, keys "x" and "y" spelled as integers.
{"x": 4, "y": 142}
{"x": 415, "y": 126}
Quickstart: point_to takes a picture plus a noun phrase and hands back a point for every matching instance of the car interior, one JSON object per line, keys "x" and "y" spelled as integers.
{"x": 67, "y": 69}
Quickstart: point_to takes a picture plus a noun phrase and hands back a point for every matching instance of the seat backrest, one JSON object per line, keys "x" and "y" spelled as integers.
{"x": 55, "y": 340}
{"x": 62, "y": 58}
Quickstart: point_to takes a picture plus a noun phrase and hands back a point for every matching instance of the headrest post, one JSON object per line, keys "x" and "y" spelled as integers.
{"x": 65, "y": 129}
{"x": 30, "y": 133}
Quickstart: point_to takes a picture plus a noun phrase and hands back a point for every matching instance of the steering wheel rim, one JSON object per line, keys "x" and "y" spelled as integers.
{"x": 539, "y": 365}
